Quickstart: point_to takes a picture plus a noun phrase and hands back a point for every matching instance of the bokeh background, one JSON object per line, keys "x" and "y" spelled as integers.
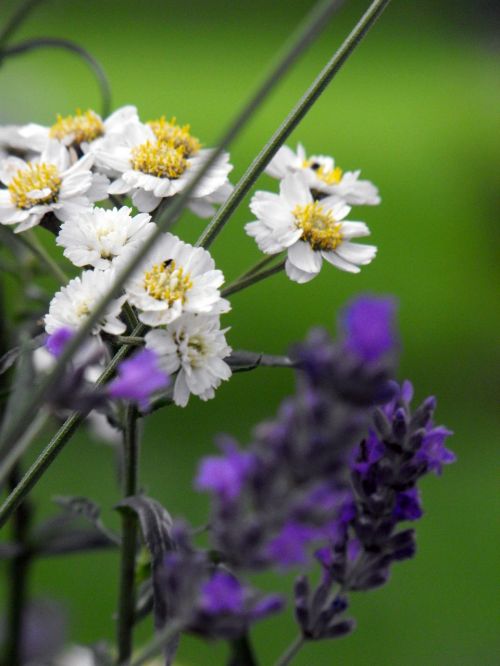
{"x": 416, "y": 108}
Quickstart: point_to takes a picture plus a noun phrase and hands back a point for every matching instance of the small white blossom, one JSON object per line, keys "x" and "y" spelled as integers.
{"x": 175, "y": 277}
{"x": 323, "y": 176}
{"x": 309, "y": 230}
{"x": 48, "y": 184}
{"x": 73, "y": 304}
{"x": 98, "y": 236}
{"x": 81, "y": 131}
{"x": 151, "y": 167}
{"x": 194, "y": 347}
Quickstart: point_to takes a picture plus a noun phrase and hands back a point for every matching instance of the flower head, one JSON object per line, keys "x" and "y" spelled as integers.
{"x": 323, "y": 176}
{"x": 81, "y": 131}
{"x": 193, "y": 346}
{"x": 225, "y": 475}
{"x": 158, "y": 160}
{"x": 48, "y": 184}
{"x": 73, "y": 304}
{"x": 138, "y": 378}
{"x": 97, "y": 236}
{"x": 308, "y": 230}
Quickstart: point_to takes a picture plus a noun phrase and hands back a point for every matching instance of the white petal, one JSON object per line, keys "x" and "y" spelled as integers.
{"x": 297, "y": 275}
{"x": 335, "y": 260}
{"x": 356, "y": 253}
{"x": 295, "y": 191}
{"x": 302, "y": 256}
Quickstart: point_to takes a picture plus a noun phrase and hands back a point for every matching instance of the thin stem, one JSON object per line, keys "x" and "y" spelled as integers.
{"x": 57, "y": 443}
{"x": 130, "y": 315}
{"x": 290, "y": 123}
{"x": 10, "y": 459}
{"x": 268, "y": 259}
{"x": 17, "y": 581}
{"x": 133, "y": 340}
{"x": 291, "y": 651}
{"x": 126, "y": 608}
{"x": 242, "y": 653}
{"x": 253, "y": 279}
{"x": 15, "y": 21}
{"x": 156, "y": 645}
{"x": 67, "y": 45}
{"x": 312, "y": 26}
{"x": 29, "y": 240}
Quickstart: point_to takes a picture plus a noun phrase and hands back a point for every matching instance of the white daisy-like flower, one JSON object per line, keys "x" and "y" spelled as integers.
{"x": 11, "y": 141}
{"x": 309, "y": 230}
{"x": 157, "y": 160}
{"x": 194, "y": 347}
{"x": 48, "y": 184}
{"x": 73, "y": 304}
{"x": 80, "y": 131}
{"x": 323, "y": 176}
{"x": 98, "y": 236}
{"x": 174, "y": 278}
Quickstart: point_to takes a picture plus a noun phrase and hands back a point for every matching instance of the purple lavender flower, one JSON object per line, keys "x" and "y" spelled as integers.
{"x": 408, "y": 505}
{"x": 223, "y": 593}
{"x": 368, "y": 325}
{"x": 56, "y": 342}
{"x": 224, "y": 475}
{"x": 138, "y": 378}
{"x": 433, "y": 451}
{"x": 290, "y": 546}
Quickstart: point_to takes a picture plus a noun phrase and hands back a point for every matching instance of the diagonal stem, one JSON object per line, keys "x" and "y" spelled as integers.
{"x": 291, "y": 121}
{"x": 291, "y": 651}
{"x": 16, "y": 20}
{"x": 253, "y": 278}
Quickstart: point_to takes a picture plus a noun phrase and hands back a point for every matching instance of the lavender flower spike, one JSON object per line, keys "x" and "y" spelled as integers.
{"x": 138, "y": 378}
{"x": 57, "y": 341}
{"x": 369, "y": 327}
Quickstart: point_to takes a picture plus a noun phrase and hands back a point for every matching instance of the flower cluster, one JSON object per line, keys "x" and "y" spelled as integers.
{"x": 308, "y": 216}
{"x": 53, "y": 176}
{"x": 330, "y": 480}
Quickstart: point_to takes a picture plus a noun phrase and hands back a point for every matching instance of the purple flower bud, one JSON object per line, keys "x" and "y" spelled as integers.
{"x": 368, "y": 324}
{"x": 408, "y": 505}
{"x": 138, "y": 378}
{"x": 433, "y": 451}
{"x": 56, "y": 342}
{"x": 290, "y": 546}
{"x": 225, "y": 475}
{"x": 223, "y": 593}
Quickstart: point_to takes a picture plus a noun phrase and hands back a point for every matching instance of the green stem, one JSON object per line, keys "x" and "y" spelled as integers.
{"x": 242, "y": 653}
{"x": 130, "y": 315}
{"x": 291, "y": 651}
{"x": 290, "y": 123}
{"x": 268, "y": 259}
{"x": 253, "y": 279}
{"x": 29, "y": 239}
{"x": 17, "y": 581}
{"x": 126, "y": 608}
{"x": 57, "y": 443}
{"x": 133, "y": 340}
{"x": 156, "y": 645}
{"x": 13, "y": 455}
{"x": 313, "y": 25}
{"x": 15, "y": 21}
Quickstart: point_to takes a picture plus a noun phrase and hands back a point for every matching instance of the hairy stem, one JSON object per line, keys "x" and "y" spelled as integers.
{"x": 126, "y": 607}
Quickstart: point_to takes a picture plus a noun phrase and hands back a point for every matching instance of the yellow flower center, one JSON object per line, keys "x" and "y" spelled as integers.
{"x": 319, "y": 227}
{"x": 82, "y": 127}
{"x": 39, "y": 183}
{"x": 159, "y": 159}
{"x": 166, "y": 282}
{"x": 328, "y": 176}
{"x": 177, "y": 136}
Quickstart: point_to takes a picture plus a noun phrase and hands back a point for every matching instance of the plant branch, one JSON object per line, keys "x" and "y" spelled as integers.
{"x": 126, "y": 609}
{"x": 290, "y": 123}
{"x": 15, "y": 21}
{"x": 242, "y": 653}
{"x": 253, "y": 279}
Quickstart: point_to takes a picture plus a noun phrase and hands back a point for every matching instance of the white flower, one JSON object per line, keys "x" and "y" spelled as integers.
{"x": 76, "y": 655}
{"x": 48, "y": 184}
{"x": 81, "y": 131}
{"x": 323, "y": 176}
{"x": 98, "y": 236}
{"x": 193, "y": 346}
{"x": 74, "y": 302}
{"x": 11, "y": 140}
{"x": 154, "y": 161}
{"x": 174, "y": 278}
{"x": 309, "y": 230}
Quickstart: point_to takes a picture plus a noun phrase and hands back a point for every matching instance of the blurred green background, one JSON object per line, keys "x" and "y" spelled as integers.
{"x": 416, "y": 108}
